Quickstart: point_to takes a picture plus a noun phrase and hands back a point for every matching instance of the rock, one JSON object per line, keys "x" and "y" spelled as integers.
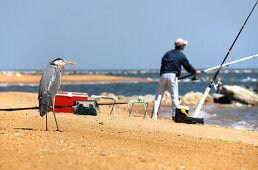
{"x": 193, "y": 98}
{"x": 112, "y": 95}
{"x": 148, "y": 97}
{"x": 216, "y": 96}
{"x": 220, "y": 98}
{"x": 256, "y": 87}
{"x": 249, "y": 88}
{"x": 240, "y": 94}
{"x": 166, "y": 100}
{"x": 120, "y": 97}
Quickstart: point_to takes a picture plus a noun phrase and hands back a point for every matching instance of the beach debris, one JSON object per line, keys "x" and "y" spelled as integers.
{"x": 16, "y": 133}
{"x": 182, "y": 167}
{"x": 101, "y": 123}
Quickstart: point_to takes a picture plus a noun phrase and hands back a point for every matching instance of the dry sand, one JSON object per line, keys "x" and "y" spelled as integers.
{"x": 116, "y": 142}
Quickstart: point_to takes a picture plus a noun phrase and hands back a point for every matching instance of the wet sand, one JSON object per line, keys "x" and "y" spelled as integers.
{"x": 116, "y": 142}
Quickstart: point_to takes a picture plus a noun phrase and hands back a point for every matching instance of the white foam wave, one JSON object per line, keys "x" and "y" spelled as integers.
{"x": 244, "y": 125}
{"x": 185, "y": 80}
{"x": 16, "y": 84}
{"x": 249, "y": 79}
{"x": 202, "y": 114}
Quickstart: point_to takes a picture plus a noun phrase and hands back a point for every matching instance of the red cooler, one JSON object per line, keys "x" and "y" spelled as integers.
{"x": 64, "y": 98}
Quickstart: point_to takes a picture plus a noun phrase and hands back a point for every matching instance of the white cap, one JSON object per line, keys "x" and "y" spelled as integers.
{"x": 180, "y": 42}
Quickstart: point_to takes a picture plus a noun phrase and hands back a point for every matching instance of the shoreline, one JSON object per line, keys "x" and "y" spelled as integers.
{"x": 219, "y": 109}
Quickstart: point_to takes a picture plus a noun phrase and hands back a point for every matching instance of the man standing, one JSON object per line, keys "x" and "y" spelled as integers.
{"x": 169, "y": 72}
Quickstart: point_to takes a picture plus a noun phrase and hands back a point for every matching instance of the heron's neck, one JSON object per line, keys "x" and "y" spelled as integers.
{"x": 61, "y": 68}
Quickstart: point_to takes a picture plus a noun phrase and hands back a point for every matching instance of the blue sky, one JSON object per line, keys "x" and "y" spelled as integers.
{"x": 129, "y": 34}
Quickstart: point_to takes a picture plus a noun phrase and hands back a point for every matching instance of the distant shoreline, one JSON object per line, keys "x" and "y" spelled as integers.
{"x": 35, "y": 79}
{"x": 122, "y": 71}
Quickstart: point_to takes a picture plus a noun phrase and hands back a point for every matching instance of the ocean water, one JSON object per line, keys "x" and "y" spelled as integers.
{"x": 235, "y": 116}
{"x": 244, "y": 77}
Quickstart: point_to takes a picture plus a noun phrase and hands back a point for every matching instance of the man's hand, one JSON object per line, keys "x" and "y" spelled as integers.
{"x": 198, "y": 72}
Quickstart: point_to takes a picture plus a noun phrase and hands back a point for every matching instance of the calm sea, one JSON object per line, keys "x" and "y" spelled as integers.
{"x": 235, "y": 116}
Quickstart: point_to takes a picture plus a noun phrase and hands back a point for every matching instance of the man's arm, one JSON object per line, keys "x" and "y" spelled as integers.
{"x": 187, "y": 66}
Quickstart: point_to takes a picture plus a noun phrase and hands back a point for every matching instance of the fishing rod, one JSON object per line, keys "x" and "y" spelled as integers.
{"x": 34, "y": 108}
{"x": 207, "y": 90}
{"x": 215, "y": 67}
{"x": 31, "y": 108}
{"x": 112, "y": 103}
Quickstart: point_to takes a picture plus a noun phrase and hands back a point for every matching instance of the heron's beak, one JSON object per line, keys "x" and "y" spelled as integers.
{"x": 70, "y": 63}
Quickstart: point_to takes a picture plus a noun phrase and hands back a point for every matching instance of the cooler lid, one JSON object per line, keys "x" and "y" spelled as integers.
{"x": 71, "y": 94}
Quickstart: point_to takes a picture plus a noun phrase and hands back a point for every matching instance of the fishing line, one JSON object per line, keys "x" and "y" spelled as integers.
{"x": 215, "y": 76}
{"x": 216, "y": 86}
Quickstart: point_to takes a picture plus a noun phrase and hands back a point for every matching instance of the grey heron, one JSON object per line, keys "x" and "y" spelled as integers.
{"x": 49, "y": 85}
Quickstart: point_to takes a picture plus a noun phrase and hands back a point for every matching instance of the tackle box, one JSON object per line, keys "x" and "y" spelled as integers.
{"x": 182, "y": 116}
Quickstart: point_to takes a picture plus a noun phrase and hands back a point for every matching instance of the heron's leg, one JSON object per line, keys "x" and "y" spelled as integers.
{"x": 46, "y": 122}
{"x": 55, "y": 115}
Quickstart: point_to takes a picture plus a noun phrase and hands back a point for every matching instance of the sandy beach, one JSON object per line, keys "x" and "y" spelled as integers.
{"x": 116, "y": 142}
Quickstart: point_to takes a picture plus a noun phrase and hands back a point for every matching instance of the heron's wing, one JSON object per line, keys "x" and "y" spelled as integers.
{"x": 49, "y": 84}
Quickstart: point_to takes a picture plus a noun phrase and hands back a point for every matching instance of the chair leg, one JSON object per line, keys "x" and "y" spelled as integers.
{"x": 145, "y": 108}
{"x": 114, "y": 109}
{"x": 130, "y": 109}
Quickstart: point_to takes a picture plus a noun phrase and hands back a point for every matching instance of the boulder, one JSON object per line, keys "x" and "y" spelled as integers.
{"x": 240, "y": 94}
{"x": 166, "y": 100}
{"x": 120, "y": 97}
{"x": 220, "y": 98}
{"x": 193, "y": 99}
{"x": 112, "y": 95}
{"x": 148, "y": 97}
